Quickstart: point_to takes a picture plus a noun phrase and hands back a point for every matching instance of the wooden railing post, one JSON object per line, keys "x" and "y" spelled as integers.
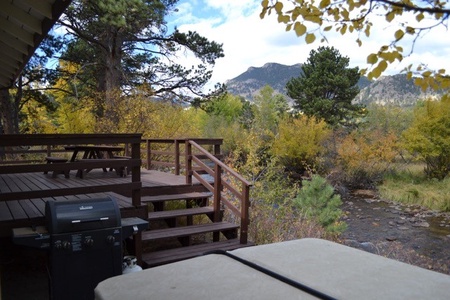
{"x": 216, "y": 150}
{"x": 217, "y": 191}
{"x": 136, "y": 197}
{"x": 177, "y": 157}
{"x": 245, "y": 220}
{"x": 188, "y": 161}
{"x": 148, "y": 153}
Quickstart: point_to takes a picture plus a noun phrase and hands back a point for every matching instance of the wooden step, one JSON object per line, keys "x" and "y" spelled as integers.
{"x": 160, "y": 215}
{"x": 157, "y": 258}
{"x": 187, "y": 230}
{"x": 186, "y": 196}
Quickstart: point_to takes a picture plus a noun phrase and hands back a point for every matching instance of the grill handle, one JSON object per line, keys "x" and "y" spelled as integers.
{"x": 90, "y": 220}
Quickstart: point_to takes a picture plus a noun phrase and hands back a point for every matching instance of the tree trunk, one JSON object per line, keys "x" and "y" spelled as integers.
{"x": 9, "y": 113}
{"x": 111, "y": 75}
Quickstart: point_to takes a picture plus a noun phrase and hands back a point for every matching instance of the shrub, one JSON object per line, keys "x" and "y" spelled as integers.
{"x": 318, "y": 200}
{"x": 299, "y": 143}
{"x": 429, "y": 136}
{"x": 364, "y": 157}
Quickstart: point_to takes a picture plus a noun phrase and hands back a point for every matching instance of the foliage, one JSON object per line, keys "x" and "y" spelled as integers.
{"x": 318, "y": 200}
{"x": 222, "y": 120}
{"x": 153, "y": 119}
{"x": 365, "y": 156}
{"x": 308, "y": 18}
{"x": 429, "y": 136}
{"x": 388, "y": 118}
{"x": 75, "y": 110}
{"x": 226, "y": 106}
{"x": 29, "y": 90}
{"x": 299, "y": 142}
{"x": 123, "y": 44}
{"x": 410, "y": 186}
{"x": 326, "y": 88}
{"x": 268, "y": 109}
{"x": 273, "y": 217}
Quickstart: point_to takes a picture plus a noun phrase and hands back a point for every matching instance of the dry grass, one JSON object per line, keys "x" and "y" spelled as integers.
{"x": 410, "y": 186}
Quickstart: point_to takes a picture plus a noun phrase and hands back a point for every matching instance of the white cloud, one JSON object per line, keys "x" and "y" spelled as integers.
{"x": 249, "y": 41}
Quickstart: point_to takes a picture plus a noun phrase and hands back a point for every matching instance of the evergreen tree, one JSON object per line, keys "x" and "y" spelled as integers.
{"x": 318, "y": 200}
{"x": 121, "y": 44}
{"x": 31, "y": 86}
{"x": 326, "y": 88}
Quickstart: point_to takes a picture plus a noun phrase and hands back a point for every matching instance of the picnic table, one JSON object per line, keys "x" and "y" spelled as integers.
{"x": 92, "y": 152}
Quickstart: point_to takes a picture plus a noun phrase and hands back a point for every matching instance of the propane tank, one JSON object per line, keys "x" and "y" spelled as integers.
{"x": 130, "y": 265}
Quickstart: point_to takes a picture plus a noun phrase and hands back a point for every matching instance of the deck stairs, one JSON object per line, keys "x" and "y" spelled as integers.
{"x": 181, "y": 226}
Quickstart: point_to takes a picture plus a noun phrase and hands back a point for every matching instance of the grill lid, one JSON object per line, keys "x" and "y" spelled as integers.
{"x": 81, "y": 215}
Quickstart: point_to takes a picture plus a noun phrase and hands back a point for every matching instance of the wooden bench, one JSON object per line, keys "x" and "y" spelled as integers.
{"x": 120, "y": 171}
{"x": 57, "y": 160}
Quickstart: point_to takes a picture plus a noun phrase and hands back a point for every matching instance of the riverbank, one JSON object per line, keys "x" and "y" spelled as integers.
{"x": 410, "y": 234}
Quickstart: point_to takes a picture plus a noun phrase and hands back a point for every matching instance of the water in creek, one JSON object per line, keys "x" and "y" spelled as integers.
{"x": 374, "y": 224}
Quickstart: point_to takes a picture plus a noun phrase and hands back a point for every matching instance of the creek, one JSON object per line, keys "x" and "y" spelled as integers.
{"x": 408, "y": 233}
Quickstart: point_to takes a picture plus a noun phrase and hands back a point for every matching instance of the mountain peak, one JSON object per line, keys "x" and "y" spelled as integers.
{"x": 392, "y": 90}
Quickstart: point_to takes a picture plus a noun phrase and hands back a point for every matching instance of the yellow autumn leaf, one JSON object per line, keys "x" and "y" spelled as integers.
{"x": 328, "y": 28}
{"x": 367, "y": 31}
{"x": 278, "y": 7}
{"x": 324, "y": 3}
{"x": 410, "y": 30}
{"x": 420, "y": 17}
{"x": 399, "y": 34}
{"x": 426, "y": 74}
{"x": 382, "y": 66}
{"x": 299, "y": 28}
{"x": 283, "y": 18}
{"x": 408, "y": 75}
{"x": 390, "y": 16}
{"x": 310, "y": 38}
{"x": 372, "y": 59}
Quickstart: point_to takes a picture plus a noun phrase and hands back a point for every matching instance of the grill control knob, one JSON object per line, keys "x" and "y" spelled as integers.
{"x": 66, "y": 245}
{"x": 58, "y": 245}
{"x": 110, "y": 239}
{"x": 89, "y": 242}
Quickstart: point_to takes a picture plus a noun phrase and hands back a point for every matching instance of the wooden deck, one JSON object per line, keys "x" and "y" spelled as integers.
{"x": 21, "y": 211}
{"x": 185, "y": 209}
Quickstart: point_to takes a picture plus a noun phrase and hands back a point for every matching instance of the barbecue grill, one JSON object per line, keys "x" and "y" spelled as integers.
{"x": 84, "y": 242}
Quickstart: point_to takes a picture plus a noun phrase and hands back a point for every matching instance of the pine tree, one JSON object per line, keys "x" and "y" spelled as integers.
{"x": 318, "y": 200}
{"x": 326, "y": 88}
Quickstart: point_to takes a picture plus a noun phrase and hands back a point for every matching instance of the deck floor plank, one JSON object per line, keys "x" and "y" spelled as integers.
{"x": 34, "y": 209}
{"x": 5, "y": 214}
{"x": 30, "y": 209}
{"x": 16, "y": 210}
{"x": 11, "y": 183}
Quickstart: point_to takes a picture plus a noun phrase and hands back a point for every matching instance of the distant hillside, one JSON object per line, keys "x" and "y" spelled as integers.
{"x": 395, "y": 90}
{"x": 251, "y": 81}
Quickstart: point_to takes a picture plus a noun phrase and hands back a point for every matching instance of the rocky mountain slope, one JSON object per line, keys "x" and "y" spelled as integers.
{"x": 392, "y": 90}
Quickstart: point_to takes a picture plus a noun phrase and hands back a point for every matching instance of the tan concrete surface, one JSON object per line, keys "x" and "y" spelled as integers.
{"x": 336, "y": 270}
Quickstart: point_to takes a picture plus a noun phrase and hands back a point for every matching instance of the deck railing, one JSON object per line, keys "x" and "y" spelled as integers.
{"x": 169, "y": 153}
{"x": 29, "y": 150}
{"x": 194, "y": 157}
{"x": 228, "y": 187}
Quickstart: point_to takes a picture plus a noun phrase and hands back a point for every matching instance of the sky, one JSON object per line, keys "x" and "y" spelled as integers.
{"x": 249, "y": 41}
